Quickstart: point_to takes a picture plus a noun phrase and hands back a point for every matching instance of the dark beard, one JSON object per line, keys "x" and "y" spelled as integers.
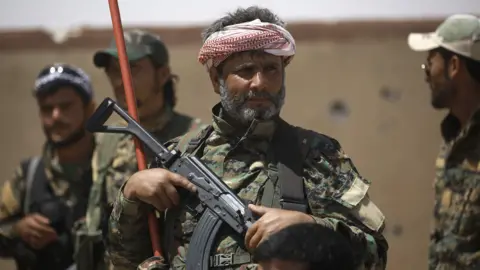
{"x": 234, "y": 105}
{"x": 70, "y": 140}
{"x": 441, "y": 96}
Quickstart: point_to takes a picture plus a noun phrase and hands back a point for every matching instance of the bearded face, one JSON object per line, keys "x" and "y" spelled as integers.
{"x": 251, "y": 85}
{"x": 250, "y": 105}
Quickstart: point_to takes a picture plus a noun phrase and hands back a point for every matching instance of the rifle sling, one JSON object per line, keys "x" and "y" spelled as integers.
{"x": 33, "y": 169}
{"x": 290, "y": 157}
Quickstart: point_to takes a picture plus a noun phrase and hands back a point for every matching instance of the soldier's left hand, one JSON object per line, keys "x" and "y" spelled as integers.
{"x": 271, "y": 221}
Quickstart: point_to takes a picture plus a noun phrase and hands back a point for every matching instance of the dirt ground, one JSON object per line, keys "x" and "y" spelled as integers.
{"x": 368, "y": 93}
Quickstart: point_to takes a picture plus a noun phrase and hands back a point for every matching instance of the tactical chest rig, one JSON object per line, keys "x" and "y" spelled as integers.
{"x": 290, "y": 147}
{"x": 40, "y": 198}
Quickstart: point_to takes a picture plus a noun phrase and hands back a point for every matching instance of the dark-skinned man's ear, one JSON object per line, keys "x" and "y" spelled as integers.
{"x": 454, "y": 66}
{"x": 164, "y": 74}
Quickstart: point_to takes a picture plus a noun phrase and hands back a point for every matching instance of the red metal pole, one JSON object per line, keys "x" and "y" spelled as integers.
{"x": 132, "y": 110}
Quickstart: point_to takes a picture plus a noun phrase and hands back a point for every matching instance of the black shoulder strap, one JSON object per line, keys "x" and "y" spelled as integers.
{"x": 35, "y": 177}
{"x": 198, "y": 141}
{"x": 291, "y": 151}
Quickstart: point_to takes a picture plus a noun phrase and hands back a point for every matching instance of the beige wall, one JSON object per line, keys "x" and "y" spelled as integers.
{"x": 393, "y": 141}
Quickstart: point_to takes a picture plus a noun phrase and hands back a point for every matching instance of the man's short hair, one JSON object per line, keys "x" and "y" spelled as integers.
{"x": 472, "y": 66}
{"x": 242, "y": 15}
{"x": 318, "y": 246}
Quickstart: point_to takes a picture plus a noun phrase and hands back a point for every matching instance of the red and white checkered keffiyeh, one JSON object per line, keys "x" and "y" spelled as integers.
{"x": 253, "y": 35}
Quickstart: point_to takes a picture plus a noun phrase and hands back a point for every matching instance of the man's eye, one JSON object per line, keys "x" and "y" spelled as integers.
{"x": 46, "y": 109}
{"x": 64, "y": 106}
{"x": 271, "y": 68}
{"x": 246, "y": 70}
{"x": 135, "y": 69}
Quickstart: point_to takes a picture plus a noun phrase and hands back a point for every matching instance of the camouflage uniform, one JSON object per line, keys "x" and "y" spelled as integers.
{"x": 455, "y": 237}
{"x": 70, "y": 184}
{"x": 336, "y": 193}
{"x": 114, "y": 160}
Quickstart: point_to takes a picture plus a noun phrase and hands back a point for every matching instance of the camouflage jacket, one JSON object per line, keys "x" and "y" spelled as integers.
{"x": 455, "y": 238}
{"x": 336, "y": 193}
{"x": 67, "y": 182}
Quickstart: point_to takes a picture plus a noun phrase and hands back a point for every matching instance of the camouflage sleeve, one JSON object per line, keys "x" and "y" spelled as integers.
{"x": 341, "y": 202}
{"x": 12, "y": 194}
{"x": 123, "y": 166}
{"x": 128, "y": 232}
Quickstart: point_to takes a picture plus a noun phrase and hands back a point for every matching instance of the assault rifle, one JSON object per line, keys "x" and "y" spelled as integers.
{"x": 214, "y": 201}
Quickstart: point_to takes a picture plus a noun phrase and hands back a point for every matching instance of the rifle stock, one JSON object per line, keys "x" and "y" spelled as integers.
{"x": 215, "y": 202}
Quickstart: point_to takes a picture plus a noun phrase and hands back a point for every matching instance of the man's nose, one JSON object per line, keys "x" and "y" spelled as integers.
{"x": 56, "y": 113}
{"x": 117, "y": 82}
{"x": 259, "y": 81}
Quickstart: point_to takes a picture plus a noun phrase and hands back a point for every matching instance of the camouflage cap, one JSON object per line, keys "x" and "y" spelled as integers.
{"x": 459, "y": 33}
{"x": 138, "y": 44}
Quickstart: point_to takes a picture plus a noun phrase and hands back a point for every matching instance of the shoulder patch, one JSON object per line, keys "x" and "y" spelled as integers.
{"x": 356, "y": 192}
{"x": 356, "y": 198}
{"x": 369, "y": 214}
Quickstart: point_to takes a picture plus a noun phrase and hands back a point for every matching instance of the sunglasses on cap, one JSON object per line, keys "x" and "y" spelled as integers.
{"x": 62, "y": 69}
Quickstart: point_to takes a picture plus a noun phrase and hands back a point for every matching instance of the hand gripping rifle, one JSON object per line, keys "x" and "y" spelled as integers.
{"x": 214, "y": 201}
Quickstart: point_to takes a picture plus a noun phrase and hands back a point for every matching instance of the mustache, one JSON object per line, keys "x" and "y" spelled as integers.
{"x": 244, "y": 97}
{"x": 56, "y": 125}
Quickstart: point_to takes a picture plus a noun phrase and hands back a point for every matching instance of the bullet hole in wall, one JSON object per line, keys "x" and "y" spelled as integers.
{"x": 389, "y": 94}
{"x": 395, "y": 229}
{"x": 338, "y": 110}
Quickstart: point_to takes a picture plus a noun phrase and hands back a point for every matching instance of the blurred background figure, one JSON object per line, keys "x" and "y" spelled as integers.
{"x": 452, "y": 72}
{"x": 114, "y": 160}
{"x": 355, "y": 79}
{"x": 48, "y": 192}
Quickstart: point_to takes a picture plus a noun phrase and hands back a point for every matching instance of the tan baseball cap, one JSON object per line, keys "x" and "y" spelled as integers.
{"x": 459, "y": 33}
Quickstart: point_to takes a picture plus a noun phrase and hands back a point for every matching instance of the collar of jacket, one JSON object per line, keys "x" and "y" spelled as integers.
{"x": 228, "y": 127}
{"x": 451, "y": 127}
